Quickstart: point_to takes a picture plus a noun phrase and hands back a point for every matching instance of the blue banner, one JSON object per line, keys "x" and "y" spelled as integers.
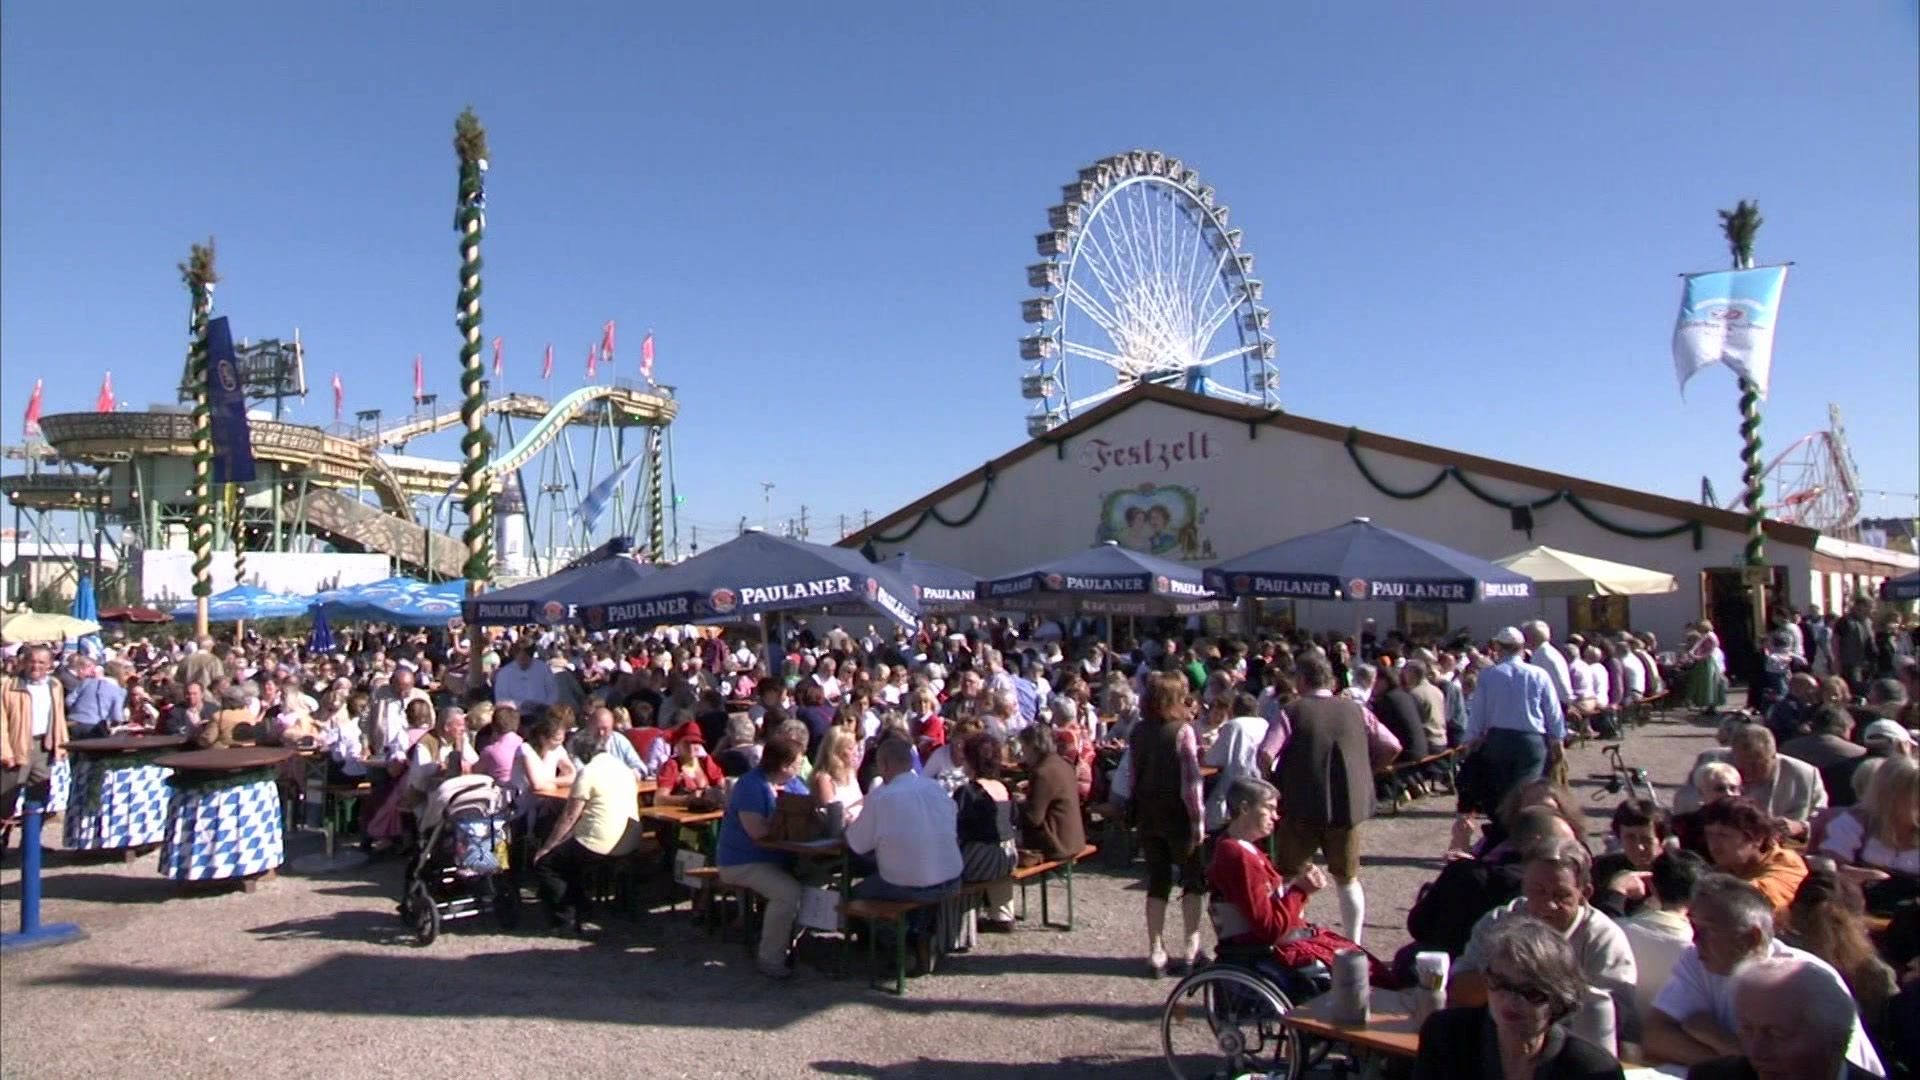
{"x": 227, "y": 397}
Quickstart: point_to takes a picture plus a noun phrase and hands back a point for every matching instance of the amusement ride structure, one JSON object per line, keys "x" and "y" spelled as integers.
{"x": 351, "y": 488}
{"x": 1816, "y": 482}
{"x": 1144, "y": 280}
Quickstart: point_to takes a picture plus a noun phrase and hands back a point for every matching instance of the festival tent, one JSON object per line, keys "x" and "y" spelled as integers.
{"x": 1905, "y": 587}
{"x": 557, "y": 597}
{"x": 757, "y": 574}
{"x": 245, "y": 603}
{"x": 1105, "y": 579}
{"x": 1364, "y": 561}
{"x": 400, "y": 601}
{"x": 1564, "y": 573}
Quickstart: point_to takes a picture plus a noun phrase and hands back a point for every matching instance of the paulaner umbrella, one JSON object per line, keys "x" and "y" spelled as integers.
{"x": 1105, "y": 579}
{"x": 1363, "y": 561}
{"x": 757, "y": 574}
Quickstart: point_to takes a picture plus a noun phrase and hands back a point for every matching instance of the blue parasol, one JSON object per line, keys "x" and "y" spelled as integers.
{"x": 246, "y": 602}
{"x": 321, "y": 640}
{"x": 1905, "y": 587}
{"x": 86, "y": 607}
{"x": 556, "y": 597}
{"x": 400, "y": 601}
{"x": 1105, "y": 579}
{"x": 756, "y": 574}
{"x": 1364, "y": 561}
{"x": 939, "y": 588}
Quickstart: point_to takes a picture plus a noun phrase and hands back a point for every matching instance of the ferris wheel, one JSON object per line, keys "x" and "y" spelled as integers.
{"x": 1144, "y": 281}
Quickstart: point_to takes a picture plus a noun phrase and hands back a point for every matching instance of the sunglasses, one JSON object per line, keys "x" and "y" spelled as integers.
{"x": 1532, "y": 995}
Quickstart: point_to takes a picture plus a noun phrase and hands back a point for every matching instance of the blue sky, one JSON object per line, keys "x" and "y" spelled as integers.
{"x": 1469, "y": 226}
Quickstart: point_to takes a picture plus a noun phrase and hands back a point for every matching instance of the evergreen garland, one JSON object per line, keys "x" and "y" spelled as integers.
{"x": 476, "y": 446}
{"x": 200, "y": 277}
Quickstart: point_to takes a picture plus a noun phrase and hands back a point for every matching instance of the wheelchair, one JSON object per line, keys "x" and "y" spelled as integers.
{"x": 1225, "y": 1020}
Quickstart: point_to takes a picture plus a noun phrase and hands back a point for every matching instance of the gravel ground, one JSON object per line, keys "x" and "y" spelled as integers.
{"x": 312, "y": 975}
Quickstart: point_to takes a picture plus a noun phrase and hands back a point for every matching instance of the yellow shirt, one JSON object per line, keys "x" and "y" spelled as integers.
{"x": 610, "y": 824}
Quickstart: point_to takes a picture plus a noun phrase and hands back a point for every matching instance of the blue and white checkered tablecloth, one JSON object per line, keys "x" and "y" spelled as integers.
{"x": 223, "y": 832}
{"x": 116, "y": 803}
{"x": 59, "y": 780}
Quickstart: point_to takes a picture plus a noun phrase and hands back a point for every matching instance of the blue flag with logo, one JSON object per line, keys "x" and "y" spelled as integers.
{"x": 227, "y": 398}
{"x": 1727, "y": 317}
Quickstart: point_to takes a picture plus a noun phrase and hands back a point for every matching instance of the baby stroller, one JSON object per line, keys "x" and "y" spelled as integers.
{"x": 459, "y": 868}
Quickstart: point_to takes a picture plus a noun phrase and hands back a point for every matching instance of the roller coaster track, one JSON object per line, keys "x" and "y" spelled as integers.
{"x": 328, "y": 461}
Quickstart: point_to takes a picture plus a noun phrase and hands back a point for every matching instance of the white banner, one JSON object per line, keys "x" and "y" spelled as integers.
{"x": 1727, "y": 317}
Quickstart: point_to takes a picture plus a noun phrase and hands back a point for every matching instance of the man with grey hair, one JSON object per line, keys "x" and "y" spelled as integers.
{"x": 1543, "y": 655}
{"x": 1786, "y": 787}
{"x": 1515, "y": 725}
{"x": 1556, "y": 885}
{"x": 1694, "y": 1016}
{"x": 1795, "y": 1022}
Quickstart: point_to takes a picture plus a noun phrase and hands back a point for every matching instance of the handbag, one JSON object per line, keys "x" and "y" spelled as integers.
{"x": 795, "y": 819}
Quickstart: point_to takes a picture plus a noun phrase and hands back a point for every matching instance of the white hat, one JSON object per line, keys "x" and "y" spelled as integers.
{"x": 1510, "y": 637}
{"x": 1886, "y": 731}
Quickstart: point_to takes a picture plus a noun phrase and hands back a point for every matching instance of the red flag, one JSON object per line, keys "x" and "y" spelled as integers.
{"x": 419, "y": 377}
{"x": 546, "y": 366}
{"x": 105, "y": 401}
{"x": 339, "y": 398}
{"x": 606, "y": 342}
{"x": 499, "y": 359}
{"x": 32, "y": 428}
{"x": 646, "y": 357}
{"x": 593, "y": 361}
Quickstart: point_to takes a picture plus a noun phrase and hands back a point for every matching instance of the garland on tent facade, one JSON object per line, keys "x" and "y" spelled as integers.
{"x": 932, "y": 513}
{"x": 1579, "y": 505}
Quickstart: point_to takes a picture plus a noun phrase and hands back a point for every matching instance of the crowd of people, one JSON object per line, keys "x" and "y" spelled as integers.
{"x": 1244, "y": 768}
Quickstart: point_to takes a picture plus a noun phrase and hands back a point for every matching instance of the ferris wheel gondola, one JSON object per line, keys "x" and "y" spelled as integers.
{"x": 1144, "y": 280}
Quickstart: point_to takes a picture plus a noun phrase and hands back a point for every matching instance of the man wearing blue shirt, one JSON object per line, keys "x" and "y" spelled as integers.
{"x": 1514, "y": 723}
{"x": 97, "y": 703}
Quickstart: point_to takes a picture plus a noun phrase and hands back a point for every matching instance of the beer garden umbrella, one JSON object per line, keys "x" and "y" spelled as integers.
{"x": 1905, "y": 587}
{"x": 1363, "y": 561}
{"x": 556, "y": 598}
{"x": 757, "y": 574}
{"x": 245, "y": 603}
{"x": 1105, "y": 579}
{"x": 1565, "y": 573}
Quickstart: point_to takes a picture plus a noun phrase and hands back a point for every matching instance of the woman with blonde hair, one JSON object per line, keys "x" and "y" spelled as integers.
{"x": 834, "y": 774}
{"x": 1881, "y": 840}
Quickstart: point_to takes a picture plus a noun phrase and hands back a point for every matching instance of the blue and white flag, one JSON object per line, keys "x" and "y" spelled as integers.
{"x": 1727, "y": 317}
{"x": 595, "y": 504}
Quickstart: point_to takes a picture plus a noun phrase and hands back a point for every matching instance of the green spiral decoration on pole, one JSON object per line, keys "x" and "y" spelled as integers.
{"x": 476, "y": 446}
{"x": 1740, "y": 225}
{"x": 199, "y": 275}
{"x": 239, "y": 536}
{"x": 656, "y": 507}
{"x": 1753, "y": 473}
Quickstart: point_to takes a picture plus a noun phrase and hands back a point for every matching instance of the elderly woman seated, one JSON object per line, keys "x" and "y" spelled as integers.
{"x": 1259, "y": 915}
{"x": 1790, "y": 790}
{"x": 1534, "y": 986}
{"x": 1742, "y": 840}
{"x": 1555, "y": 884}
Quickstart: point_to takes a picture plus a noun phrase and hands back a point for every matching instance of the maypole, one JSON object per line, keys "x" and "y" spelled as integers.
{"x": 1740, "y": 225}
{"x": 656, "y": 523}
{"x": 199, "y": 275}
{"x": 476, "y": 446}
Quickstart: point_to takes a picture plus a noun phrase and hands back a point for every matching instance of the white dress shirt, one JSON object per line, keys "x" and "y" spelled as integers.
{"x": 910, "y": 826}
{"x": 41, "y": 695}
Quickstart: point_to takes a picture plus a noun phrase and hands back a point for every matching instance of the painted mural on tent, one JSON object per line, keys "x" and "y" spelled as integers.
{"x": 1159, "y": 519}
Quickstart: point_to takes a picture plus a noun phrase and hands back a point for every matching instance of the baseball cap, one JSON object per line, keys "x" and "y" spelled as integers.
{"x": 1887, "y": 731}
{"x": 1509, "y": 636}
